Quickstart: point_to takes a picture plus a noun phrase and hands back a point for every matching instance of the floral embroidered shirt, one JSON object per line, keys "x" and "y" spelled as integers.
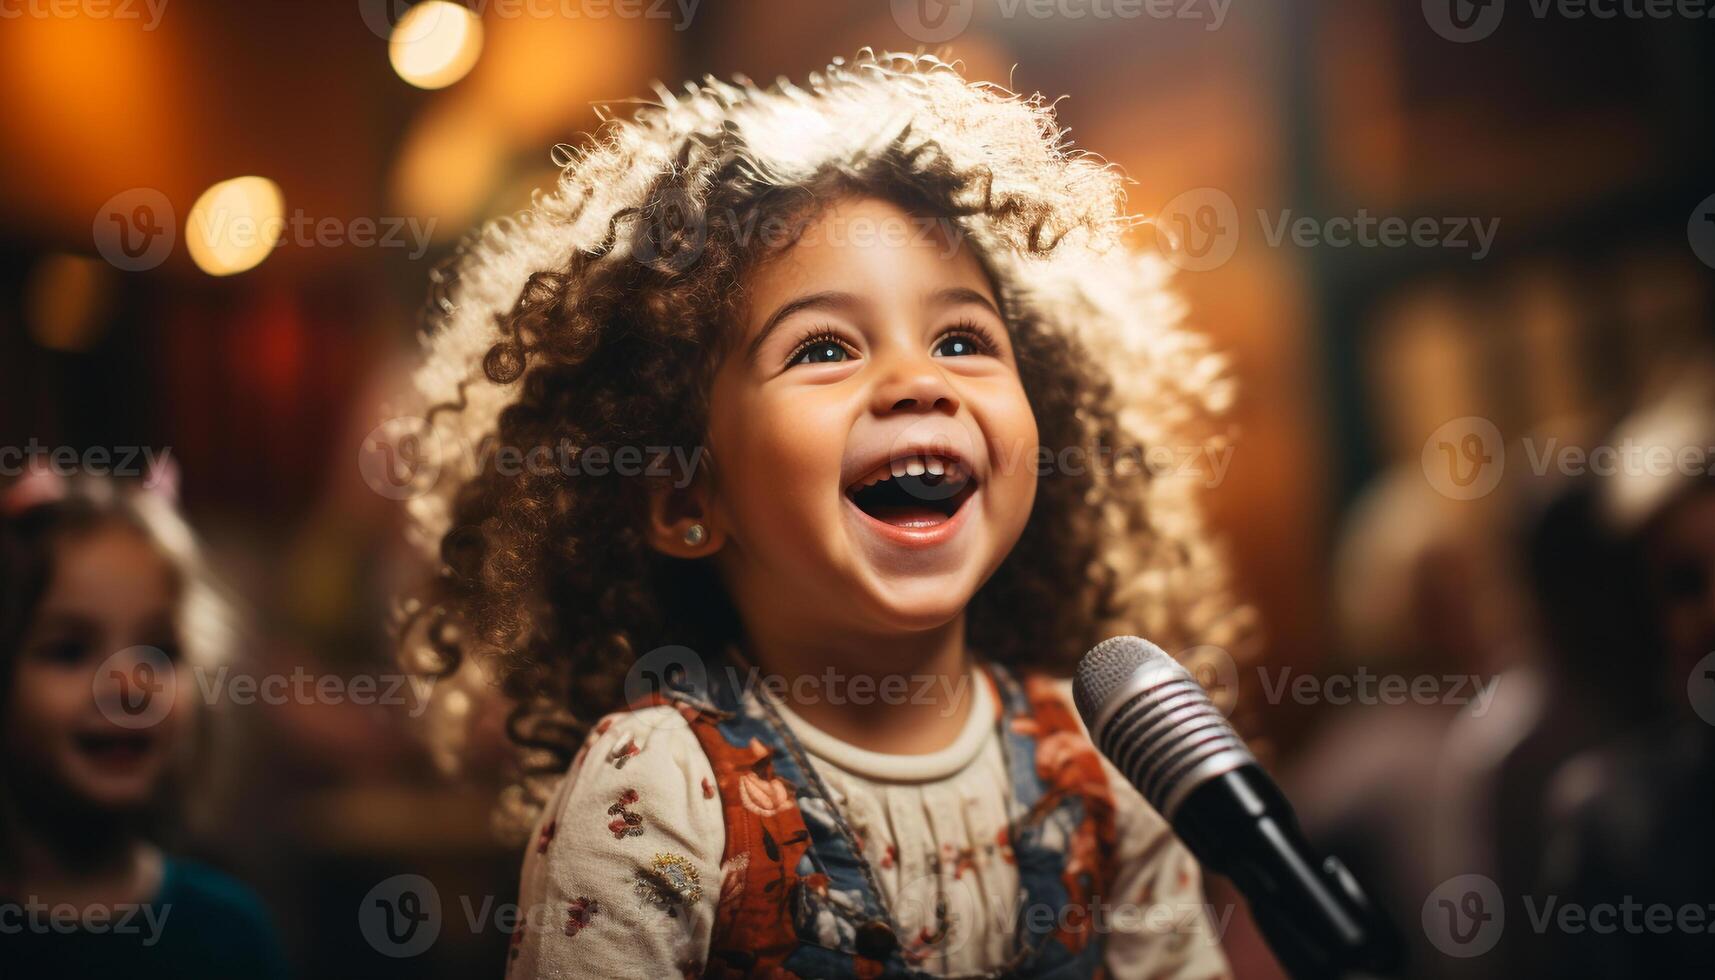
{"x": 622, "y": 878}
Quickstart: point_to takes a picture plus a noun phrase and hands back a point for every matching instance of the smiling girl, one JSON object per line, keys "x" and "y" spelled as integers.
{"x": 898, "y": 313}
{"x": 106, "y": 611}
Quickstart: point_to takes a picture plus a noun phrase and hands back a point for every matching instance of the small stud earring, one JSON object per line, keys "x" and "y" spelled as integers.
{"x": 695, "y": 534}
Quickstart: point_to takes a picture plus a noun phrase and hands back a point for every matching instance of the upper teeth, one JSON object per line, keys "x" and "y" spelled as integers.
{"x": 911, "y": 466}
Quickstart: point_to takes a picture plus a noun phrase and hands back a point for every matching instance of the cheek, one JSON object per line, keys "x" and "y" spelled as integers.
{"x": 777, "y": 460}
{"x": 47, "y": 704}
{"x": 1010, "y": 427}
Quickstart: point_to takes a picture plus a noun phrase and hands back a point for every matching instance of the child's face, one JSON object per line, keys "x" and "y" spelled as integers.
{"x": 111, "y": 592}
{"x": 873, "y": 347}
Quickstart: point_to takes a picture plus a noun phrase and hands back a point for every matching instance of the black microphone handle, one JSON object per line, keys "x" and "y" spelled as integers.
{"x": 1315, "y": 916}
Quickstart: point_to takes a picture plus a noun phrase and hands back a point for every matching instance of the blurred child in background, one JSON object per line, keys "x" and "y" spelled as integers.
{"x": 104, "y": 614}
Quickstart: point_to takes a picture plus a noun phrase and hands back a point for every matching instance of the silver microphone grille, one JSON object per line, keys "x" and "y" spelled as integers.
{"x": 1152, "y": 719}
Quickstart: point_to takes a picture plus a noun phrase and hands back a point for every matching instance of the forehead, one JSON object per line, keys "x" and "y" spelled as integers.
{"x": 858, "y": 244}
{"x": 113, "y": 568}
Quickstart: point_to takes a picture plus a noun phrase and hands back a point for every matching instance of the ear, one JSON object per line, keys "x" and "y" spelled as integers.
{"x": 674, "y": 510}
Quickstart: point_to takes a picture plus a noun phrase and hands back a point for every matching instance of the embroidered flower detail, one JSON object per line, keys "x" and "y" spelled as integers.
{"x": 671, "y": 880}
{"x": 889, "y": 856}
{"x": 764, "y": 797}
{"x": 1003, "y": 843}
{"x": 625, "y": 823}
{"x": 546, "y": 835}
{"x": 708, "y": 789}
{"x": 958, "y": 859}
{"x": 733, "y": 875}
{"x": 1057, "y": 751}
{"x": 579, "y": 914}
{"x": 621, "y": 755}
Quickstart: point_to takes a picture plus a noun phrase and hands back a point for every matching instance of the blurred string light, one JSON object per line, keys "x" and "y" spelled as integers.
{"x": 67, "y": 300}
{"x": 235, "y": 224}
{"x": 459, "y": 161}
{"x": 435, "y": 44}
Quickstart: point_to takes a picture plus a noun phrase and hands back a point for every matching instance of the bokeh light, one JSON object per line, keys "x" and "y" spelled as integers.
{"x": 435, "y": 44}
{"x": 235, "y": 224}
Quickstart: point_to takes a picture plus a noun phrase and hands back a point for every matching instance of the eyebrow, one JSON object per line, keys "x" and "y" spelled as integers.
{"x": 834, "y": 300}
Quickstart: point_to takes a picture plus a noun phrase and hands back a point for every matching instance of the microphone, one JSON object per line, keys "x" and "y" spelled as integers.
{"x": 1156, "y": 724}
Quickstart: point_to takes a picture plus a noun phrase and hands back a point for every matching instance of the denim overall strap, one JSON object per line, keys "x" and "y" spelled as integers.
{"x": 1064, "y": 833}
{"x": 798, "y": 900}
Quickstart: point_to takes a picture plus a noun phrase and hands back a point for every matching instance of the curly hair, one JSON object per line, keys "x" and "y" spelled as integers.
{"x": 598, "y": 318}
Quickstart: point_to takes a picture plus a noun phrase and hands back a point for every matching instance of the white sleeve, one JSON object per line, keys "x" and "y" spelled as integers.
{"x": 622, "y": 873}
{"x": 1161, "y": 925}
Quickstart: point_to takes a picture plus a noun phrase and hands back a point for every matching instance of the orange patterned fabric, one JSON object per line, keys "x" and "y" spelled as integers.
{"x": 764, "y": 885}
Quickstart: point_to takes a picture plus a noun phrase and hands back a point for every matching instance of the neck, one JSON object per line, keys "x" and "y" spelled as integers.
{"x": 897, "y": 693}
{"x": 80, "y": 858}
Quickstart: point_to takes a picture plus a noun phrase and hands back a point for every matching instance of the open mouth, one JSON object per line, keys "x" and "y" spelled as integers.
{"x": 917, "y": 491}
{"x": 115, "y": 751}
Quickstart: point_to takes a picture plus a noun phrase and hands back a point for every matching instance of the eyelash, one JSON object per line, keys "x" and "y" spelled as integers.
{"x": 823, "y": 335}
{"x": 974, "y": 331}
{"x": 980, "y": 335}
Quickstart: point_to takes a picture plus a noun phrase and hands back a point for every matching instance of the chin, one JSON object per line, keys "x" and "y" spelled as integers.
{"x": 131, "y": 789}
{"x": 926, "y": 604}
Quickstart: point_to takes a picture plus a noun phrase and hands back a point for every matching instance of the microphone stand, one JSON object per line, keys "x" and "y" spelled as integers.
{"x": 1317, "y": 919}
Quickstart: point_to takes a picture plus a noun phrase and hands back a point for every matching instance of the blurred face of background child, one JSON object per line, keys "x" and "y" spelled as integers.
{"x": 90, "y": 667}
{"x": 1679, "y": 558}
{"x": 910, "y": 352}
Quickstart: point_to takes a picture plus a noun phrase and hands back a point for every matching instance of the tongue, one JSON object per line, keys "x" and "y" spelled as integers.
{"x": 908, "y": 515}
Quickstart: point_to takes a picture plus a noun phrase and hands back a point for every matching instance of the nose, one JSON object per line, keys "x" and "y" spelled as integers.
{"x": 914, "y": 383}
